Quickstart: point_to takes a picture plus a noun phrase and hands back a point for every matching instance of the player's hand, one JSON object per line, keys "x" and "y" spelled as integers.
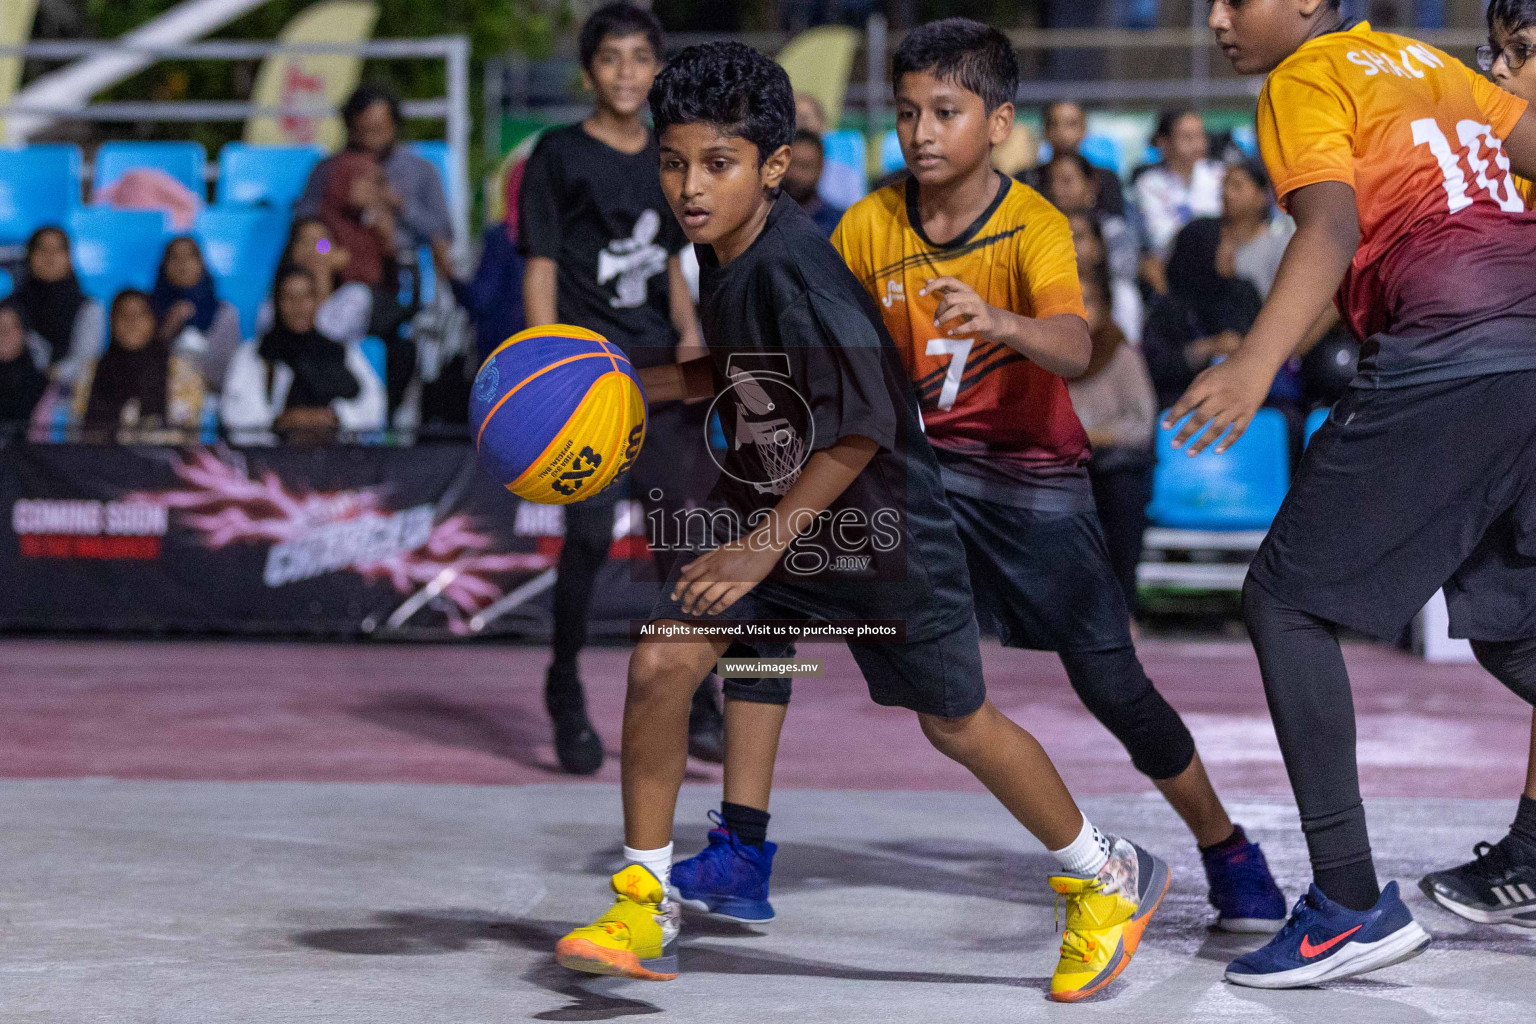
{"x": 1225, "y": 396}
{"x": 959, "y": 302}
{"x": 711, "y": 583}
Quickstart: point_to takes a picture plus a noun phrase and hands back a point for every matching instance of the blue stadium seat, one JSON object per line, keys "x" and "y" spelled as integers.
{"x": 891, "y": 159}
{"x": 7, "y": 284}
{"x": 1240, "y": 489}
{"x": 264, "y": 175}
{"x": 1102, "y": 151}
{"x": 1315, "y": 419}
{"x": 1246, "y": 138}
{"x": 38, "y": 185}
{"x": 116, "y": 249}
{"x": 844, "y": 175}
{"x": 184, "y": 161}
{"x": 242, "y": 246}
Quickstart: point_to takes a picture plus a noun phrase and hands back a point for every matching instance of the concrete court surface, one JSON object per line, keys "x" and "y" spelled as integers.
{"x": 196, "y": 902}
{"x": 217, "y": 831}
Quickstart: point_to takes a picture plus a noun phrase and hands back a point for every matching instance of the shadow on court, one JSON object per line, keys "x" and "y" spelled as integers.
{"x": 425, "y": 933}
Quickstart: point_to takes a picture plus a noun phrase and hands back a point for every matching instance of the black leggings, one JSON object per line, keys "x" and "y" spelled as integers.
{"x": 1114, "y": 687}
{"x": 1314, "y": 713}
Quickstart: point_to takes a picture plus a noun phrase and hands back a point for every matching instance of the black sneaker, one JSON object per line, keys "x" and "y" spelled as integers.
{"x": 577, "y": 745}
{"x": 1496, "y": 888}
{"x": 706, "y": 725}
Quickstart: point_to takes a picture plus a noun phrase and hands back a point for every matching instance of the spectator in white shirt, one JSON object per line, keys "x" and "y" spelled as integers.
{"x": 298, "y": 381}
{"x": 1185, "y": 185}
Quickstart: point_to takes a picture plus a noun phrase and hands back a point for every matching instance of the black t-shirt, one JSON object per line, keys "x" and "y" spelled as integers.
{"x": 600, "y": 215}
{"x": 801, "y": 360}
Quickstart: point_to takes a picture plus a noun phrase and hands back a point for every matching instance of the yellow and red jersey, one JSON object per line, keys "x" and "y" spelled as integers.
{"x": 977, "y": 397}
{"x": 1445, "y": 242}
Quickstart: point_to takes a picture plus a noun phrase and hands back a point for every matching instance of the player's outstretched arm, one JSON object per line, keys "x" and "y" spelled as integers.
{"x": 1229, "y": 394}
{"x": 1060, "y": 344}
{"x": 712, "y": 583}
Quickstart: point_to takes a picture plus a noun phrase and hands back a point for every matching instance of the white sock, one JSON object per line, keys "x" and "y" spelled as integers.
{"x": 657, "y": 862}
{"x": 1086, "y": 855}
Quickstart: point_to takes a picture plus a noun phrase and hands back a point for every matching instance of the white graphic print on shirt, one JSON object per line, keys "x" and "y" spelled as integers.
{"x": 634, "y": 261}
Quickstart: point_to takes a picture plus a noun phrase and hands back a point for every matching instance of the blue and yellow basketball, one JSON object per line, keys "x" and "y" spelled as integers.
{"x": 558, "y": 414}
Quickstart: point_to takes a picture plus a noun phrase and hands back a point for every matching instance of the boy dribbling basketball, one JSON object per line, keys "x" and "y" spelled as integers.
{"x": 800, "y": 362}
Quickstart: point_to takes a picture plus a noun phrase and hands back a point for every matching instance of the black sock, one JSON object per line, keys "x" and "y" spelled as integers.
{"x": 1522, "y": 834}
{"x": 1237, "y": 839}
{"x": 748, "y": 823}
{"x": 1350, "y": 885}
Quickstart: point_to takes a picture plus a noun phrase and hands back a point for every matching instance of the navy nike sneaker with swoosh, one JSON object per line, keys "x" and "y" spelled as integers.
{"x": 1323, "y": 941}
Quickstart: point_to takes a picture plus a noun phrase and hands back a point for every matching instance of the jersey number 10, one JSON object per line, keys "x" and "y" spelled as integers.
{"x": 1479, "y": 145}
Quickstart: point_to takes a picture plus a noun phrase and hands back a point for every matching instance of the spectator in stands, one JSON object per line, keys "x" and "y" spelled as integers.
{"x": 21, "y": 383}
{"x": 1182, "y": 186}
{"x": 1219, "y": 272}
{"x": 1065, "y": 125}
{"x": 296, "y": 380}
{"x": 194, "y": 321}
{"x": 805, "y": 163}
{"x": 1202, "y": 318}
{"x": 1115, "y": 401}
{"x": 361, "y": 219}
{"x": 138, "y": 384}
{"x": 345, "y": 307}
{"x": 1253, "y": 235}
{"x": 414, "y": 195}
{"x": 1093, "y": 253}
{"x": 64, "y": 328}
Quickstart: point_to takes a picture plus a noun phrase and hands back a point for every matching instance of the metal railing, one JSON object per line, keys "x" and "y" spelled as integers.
{"x": 1145, "y": 67}
{"x": 452, "y": 108}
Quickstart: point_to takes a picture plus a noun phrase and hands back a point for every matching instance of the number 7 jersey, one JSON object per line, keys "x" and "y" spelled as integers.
{"x": 982, "y": 402}
{"x": 1442, "y": 284}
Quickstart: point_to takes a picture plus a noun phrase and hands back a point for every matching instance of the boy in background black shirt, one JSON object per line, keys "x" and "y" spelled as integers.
{"x": 602, "y": 252}
{"x": 832, "y": 510}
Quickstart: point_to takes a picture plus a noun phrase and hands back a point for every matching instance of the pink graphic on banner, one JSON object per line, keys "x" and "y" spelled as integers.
{"x": 313, "y": 533}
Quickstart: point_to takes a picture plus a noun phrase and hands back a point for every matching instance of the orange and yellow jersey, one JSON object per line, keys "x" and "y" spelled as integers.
{"x": 978, "y": 398}
{"x": 1441, "y": 285}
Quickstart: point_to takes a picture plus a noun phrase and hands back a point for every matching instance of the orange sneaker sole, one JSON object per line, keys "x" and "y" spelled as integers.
{"x": 1130, "y": 939}
{"x": 587, "y": 956}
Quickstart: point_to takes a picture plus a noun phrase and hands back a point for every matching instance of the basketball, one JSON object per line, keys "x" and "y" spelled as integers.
{"x": 558, "y": 414}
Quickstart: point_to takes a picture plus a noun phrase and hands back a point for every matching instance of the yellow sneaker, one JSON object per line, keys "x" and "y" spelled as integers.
{"x": 637, "y": 938}
{"x": 1106, "y": 916}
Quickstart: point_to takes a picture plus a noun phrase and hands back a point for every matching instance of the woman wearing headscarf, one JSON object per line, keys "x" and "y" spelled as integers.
{"x": 355, "y": 208}
{"x": 1202, "y": 318}
{"x": 345, "y": 308}
{"x": 298, "y": 381}
{"x": 21, "y": 383}
{"x": 65, "y": 329}
{"x": 138, "y": 383}
{"x": 200, "y": 327}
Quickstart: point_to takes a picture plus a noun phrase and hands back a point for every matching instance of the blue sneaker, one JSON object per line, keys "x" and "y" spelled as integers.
{"x": 728, "y": 878}
{"x": 1244, "y": 893}
{"x": 1324, "y": 941}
